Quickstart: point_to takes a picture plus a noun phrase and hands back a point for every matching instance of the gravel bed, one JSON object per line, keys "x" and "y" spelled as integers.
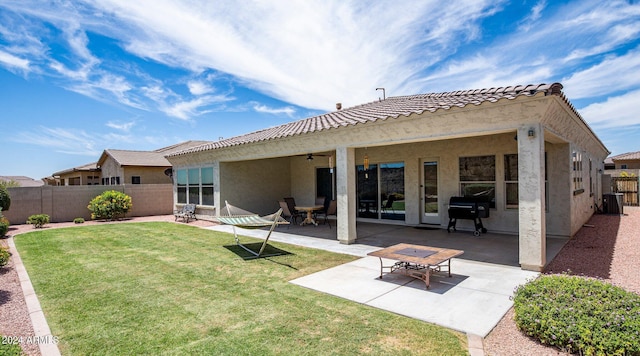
{"x": 606, "y": 248}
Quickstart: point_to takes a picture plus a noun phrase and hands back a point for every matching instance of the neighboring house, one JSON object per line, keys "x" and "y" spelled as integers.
{"x": 525, "y": 148}
{"x": 139, "y": 167}
{"x": 623, "y": 164}
{"x": 23, "y": 181}
{"x": 629, "y": 160}
{"x": 88, "y": 174}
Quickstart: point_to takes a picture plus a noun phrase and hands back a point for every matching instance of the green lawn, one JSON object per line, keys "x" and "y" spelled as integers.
{"x": 172, "y": 289}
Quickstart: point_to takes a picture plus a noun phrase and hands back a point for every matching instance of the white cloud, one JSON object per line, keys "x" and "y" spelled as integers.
{"x": 261, "y": 108}
{"x": 619, "y": 111}
{"x": 69, "y": 141}
{"x": 13, "y": 61}
{"x": 614, "y": 74}
{"x": 125, "y": 126}
{"x": 199, "y": 87}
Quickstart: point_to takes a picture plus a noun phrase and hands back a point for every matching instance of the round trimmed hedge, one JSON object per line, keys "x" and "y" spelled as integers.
{"x": 578, "y": 314}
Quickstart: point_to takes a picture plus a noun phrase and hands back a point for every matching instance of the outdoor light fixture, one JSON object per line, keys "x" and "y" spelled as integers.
{"x": 309, "y": 157}
{"x": 531, "y": 133}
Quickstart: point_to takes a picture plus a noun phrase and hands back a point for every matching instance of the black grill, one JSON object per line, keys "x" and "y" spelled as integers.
{"x": 468, "y": 208}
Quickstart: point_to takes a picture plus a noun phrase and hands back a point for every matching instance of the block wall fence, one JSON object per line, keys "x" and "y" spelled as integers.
{"x": 65, "y": 203}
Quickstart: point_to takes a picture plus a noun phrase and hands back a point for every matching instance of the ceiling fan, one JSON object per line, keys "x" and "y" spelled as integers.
{"x": 310, "y": 156}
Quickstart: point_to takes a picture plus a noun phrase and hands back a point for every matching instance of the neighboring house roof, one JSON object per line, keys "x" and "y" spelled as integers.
{"x": 23, "y": 181}
{"x": 146, "y": 158}
{"x": 626, "y": 156}
{"x": 89, "y": 167}
{"x": 391, "y": 107}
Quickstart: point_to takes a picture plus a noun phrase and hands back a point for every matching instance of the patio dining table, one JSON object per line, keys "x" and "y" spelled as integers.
{"x": 416, "y": 261}
{"x": 309, "y": 209}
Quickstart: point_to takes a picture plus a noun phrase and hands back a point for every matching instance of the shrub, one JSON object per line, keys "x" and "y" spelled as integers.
{"x": 5, "y": 198}
{"x": 4, "y": 256}
{"x": 4, "y": 224}
{"x": 579, "y": 315}
{"x": 78, "y": 221}
{"x": 4, "y": 227}
{"x": 110, "y": 205}
{"x": 38, "y": 220}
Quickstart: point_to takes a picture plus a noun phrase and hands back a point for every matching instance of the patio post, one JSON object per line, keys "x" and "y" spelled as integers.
{"x": 346, "y": 194}
{"x": 531, "y": 196}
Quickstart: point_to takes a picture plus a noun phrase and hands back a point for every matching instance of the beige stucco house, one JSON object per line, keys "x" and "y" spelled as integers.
{"x": 87, "y": 174}
{"x": 525, "y": 148}
{"x": 139, "y": 167}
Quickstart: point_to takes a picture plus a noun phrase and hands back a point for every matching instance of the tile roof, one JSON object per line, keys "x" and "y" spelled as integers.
{"x": 391, "y": 107}
{"x": 23, "y": 181}
{"x": 93, "y": 166}
{"x": 626, "y": 156}
{"x": 154, "y": 158}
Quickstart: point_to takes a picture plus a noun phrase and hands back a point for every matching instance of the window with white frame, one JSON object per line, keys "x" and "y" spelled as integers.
{"x": 478, "y": 177}
{"x": 195, "y": 186}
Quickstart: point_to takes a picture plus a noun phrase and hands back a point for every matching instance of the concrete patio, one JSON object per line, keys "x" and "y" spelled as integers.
{"x": 472, "y": 301}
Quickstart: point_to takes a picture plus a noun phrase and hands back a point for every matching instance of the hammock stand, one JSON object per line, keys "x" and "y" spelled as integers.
{"x": 237, "y": 217}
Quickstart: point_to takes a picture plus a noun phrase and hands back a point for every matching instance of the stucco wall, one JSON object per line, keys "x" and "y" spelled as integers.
{"x": 148, "y": 175}
{"x": 255, "y": 185}
{"x": 67, "y": 203}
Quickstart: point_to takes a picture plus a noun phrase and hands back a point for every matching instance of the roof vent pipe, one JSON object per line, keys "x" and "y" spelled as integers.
{"x": 338, "y": 106}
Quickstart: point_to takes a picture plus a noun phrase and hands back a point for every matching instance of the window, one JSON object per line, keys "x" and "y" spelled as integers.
{"x": 511, "y": 181}
{"x": 577, "y": 173}
{"x": 623, "y": 166}
{"x": 478, "y": 177}
{"x": 135, "y": 180}
{"x": 207, "y": 186}
{"x": 195, "y": 186}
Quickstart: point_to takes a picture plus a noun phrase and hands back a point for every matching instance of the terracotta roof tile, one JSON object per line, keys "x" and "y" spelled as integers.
{"x": 626, "y": 156}
{"x": 391, "y": 107}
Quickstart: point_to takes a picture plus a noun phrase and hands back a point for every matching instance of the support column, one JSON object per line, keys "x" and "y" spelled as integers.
{"x": 346, "y": 194}
{"x": 531, "y": 196}
{"x": 217, "y": 188}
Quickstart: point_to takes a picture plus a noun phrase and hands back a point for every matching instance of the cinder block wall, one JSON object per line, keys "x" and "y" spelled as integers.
{"x": 65, "y": 203}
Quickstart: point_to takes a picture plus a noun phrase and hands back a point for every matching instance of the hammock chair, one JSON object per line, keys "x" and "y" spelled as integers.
{"x": 236, "y": 217}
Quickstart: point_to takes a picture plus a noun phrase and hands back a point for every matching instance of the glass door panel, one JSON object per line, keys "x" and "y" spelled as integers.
{"x": 430, "y": 205}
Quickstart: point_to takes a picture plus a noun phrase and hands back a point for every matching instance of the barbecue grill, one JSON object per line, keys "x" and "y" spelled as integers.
{"x": 469, "y": 208}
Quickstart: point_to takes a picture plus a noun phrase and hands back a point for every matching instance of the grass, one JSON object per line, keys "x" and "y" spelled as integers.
{"x": 171, "y": 289}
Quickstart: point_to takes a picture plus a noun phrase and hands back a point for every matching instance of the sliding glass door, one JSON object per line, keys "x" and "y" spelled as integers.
{"x": 380, "y": 191}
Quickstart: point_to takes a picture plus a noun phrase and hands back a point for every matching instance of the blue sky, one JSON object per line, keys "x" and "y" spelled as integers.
{"x": 78, "y": 77}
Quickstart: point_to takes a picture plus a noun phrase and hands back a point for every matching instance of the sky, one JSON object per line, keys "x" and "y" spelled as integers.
{"x": 78, "y": 77}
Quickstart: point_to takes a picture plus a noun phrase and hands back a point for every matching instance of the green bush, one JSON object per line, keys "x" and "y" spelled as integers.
{"x": 78, "y": 221}
{"x": 580, "y": 315}
{"x": 9, "y": 348}
{"x": 4, "y": 256}
{"x": 4, "y": 224}
{"x": 110, "y": 205}
{"x": 4, "y": 227}
{"x": 5, "y": 199}
{"x": 38, "y": 220}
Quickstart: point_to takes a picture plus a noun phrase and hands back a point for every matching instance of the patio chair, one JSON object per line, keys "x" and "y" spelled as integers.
{"x": 286, "y": 214}
{"x": 291, "y": 204}
{"x": 237, "y": 217}
{"x": 330, "y": 209}
{"x": 187, "y": 213}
